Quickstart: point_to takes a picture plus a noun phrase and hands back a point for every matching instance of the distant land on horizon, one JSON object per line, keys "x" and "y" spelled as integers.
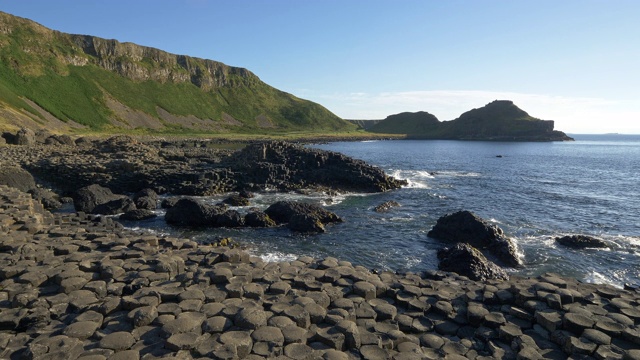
{"x": 69, "y": 83}
{"x": 500, "y": 120}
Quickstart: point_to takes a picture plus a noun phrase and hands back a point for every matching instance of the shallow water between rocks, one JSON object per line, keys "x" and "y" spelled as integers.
{"x": 533, "y": 191}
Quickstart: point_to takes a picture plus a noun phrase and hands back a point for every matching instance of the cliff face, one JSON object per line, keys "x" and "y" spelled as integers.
{"x": 142, "y": 63}
{"x": 105, "y": 84}
{"x": 500, "y": 120}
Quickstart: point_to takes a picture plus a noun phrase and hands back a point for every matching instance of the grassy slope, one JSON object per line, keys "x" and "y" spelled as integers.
{"x": 32, "y": 66}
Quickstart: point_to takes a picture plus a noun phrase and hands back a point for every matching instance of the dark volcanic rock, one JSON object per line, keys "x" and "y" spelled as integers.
{"x": 305, "y": 224}
{"x": 96, "y": 199}
{"x": 282, "y": 212}
{"x": 236, "y": 200}
{"x": 191, "y": 212}
{"x": 146, "y": 199}
{"x": 230, "y": 219}
{"x": 17, "y": 177}
{"x": 258, "y": 219}
{"x": 582, "y": 242}
{"x": 289, "y": 166}
{"x": 466, "y": 227}
{"x": 121, "y": 205}
{"x": 48, "y": 198}
{"x": 386, "y": 206}
{"x": 466, "y": 260}
{"x": 138, "y": 214}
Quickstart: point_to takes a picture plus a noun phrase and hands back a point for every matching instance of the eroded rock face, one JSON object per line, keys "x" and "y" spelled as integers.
{"x": 582, "y": 242}
{"x": 466, "y": 227}
{"x": 466, "y": 260}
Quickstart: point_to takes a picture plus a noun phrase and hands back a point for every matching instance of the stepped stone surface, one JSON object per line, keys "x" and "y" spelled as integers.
{"x": 82, "y": 286}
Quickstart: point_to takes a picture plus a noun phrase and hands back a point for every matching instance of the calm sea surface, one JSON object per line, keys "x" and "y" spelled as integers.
{"x": 534, "y": 192}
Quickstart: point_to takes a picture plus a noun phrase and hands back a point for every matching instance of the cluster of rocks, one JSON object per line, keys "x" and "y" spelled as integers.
{"x": 80, "y": 286}
{"x": 26, "y": 136}
{"x": 290, "y": 166}
{"x": 126, "y": 165}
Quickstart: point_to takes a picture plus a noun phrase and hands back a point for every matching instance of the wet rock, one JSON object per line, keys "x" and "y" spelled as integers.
{"x": 190, "y": 212}
{"x": 582, "y": 242}
{"x": 386, "y": 206}
{"x": 258, "y": 219}
{"x": 465, "y": 260}
{"x": 229, "y": 219}
{"x": 236, "y": 200}
{"x": 146, "y": 199}
{"x": 305, "y": 224}
{"x": 282, "y": 212}
{"x": 466, "y": 227}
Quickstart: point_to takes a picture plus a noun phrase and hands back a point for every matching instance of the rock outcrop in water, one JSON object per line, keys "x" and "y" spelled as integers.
{"x": 468, "y": 261}
{"x": 285, "y": 165}
{"x": 582, "y": 242}
{"x": 466, "y": 227}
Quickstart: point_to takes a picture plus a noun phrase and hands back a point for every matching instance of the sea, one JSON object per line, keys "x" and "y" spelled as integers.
{"x": 534, "y": 191}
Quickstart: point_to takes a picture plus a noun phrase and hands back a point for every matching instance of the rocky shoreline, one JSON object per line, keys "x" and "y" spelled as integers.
{"x": 82, "y": 286}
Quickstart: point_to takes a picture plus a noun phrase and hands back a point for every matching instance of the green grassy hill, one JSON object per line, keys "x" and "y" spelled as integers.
{"x": 53, "y": 79}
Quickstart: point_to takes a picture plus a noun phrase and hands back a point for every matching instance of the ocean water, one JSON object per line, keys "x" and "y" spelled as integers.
{"x": 533, "y": 191}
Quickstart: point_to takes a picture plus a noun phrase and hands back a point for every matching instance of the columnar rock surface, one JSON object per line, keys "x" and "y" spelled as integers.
{"x": 77, "y": 285}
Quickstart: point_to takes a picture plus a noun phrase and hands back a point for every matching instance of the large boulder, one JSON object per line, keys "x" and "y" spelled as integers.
{"x": 468, "y": 261}
{"x": 17, "y": 177}
{"x": 96, "y": 199}
{"x": 466, "y": 227}
{"x": 305, "y": 224}
{"x": 282, "y": 212}
{"x": 60, "y": 140}
{"x": 236, "y": 200}
{"x": 25, "y": 136}
{"x": 230, "y": 219}
{"x": 582, "y": 242}
{"x": 258, "y": 219}
{"x": 117, "y": 206}
{"x": 190, "y": 212}
{"x": 146, "y": 199}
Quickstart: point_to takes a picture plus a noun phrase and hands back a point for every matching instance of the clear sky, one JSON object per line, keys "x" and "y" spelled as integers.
{"x": 573, "y": 61}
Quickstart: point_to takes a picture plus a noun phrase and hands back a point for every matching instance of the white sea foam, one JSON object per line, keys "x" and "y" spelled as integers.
{"x": 277, "y": 257}
{"x": 416, "y": 179}
{"x": 597, "y": 278}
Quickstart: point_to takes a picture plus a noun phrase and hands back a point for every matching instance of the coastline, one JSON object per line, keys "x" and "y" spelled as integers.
{"x": 75, "y": 285}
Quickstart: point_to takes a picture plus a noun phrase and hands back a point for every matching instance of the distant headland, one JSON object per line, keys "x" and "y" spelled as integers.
{"x": 500, "y": 120}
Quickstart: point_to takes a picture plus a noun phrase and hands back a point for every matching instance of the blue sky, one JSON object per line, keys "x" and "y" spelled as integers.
{"x": 573, "y": 61}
